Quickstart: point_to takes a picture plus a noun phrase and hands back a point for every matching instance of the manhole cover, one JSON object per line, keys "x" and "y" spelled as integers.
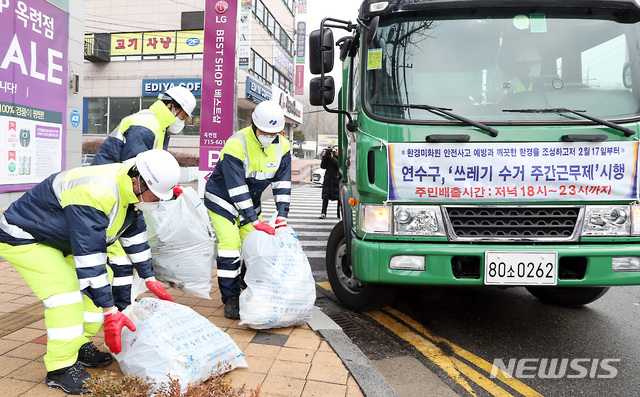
{"x": 345, "y": 322}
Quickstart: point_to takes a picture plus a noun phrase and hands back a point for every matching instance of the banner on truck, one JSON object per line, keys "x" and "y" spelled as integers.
{"x": 540, "y": 171}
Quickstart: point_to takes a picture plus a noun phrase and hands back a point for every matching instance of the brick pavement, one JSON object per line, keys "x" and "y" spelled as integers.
{"x": 294, "y": 361}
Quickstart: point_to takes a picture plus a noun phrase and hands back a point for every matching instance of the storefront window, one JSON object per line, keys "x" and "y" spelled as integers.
{"x": 192, "y": 127}
{"x": 100, "y": 114}
{"x": 121, "y": 108}
{"x": 147, "y": 101}
{"x": 97, "y": 112}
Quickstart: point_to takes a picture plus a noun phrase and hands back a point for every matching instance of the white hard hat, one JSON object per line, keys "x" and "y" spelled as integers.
{"x": 183, "y": 96}
{"x": 160, "y": 171}
{"x": 268, "y": 117}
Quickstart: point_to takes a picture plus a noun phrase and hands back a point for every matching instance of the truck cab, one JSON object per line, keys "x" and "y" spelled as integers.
{"x": 485, "y": 143}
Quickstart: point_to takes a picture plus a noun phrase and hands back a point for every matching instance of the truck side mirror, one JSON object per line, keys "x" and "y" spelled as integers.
{"x": 320, "y": 43}
{"x": 319, "y": 89}
{"x": 345, "y": 44}
{"x": 370, "y": 30}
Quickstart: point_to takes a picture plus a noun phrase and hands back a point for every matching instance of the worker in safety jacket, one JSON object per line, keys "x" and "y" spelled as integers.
{"x": 56, "y": 236}
{"x": 252, "y": 159}
{"x": 147, "y": 129}
{"x": 528, "y": 62}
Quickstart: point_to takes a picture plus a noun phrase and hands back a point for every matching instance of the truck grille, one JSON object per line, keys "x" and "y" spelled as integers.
{"x": 512, "y": 223}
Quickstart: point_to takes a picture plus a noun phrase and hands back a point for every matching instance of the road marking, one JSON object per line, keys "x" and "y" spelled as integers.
{"x": 477, "y": 361}
{"x": 427, "y": 343}
{"x": 325, "y": 285}
{"x": 319, "y": 243}
{"x": 315, "y": 254}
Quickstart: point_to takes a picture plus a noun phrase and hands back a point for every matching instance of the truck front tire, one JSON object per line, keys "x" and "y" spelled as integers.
{"x": 352, "y": 293}
{"x": 568, "y": 296}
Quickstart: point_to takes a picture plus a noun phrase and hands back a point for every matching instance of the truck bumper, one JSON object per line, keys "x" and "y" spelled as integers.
{"x": 370, "y": 263}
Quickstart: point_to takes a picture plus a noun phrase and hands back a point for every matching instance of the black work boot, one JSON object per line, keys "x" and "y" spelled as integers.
{"x": 232, "y": 308}
{"x": 91, "y": 357}
{"x": 70, "y": 379}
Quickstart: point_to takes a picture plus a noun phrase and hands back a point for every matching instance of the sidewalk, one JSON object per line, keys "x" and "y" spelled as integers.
{"x": 316, "y": 359}
{"x": 306, "y": 360}
{"x": 301, "y": 169}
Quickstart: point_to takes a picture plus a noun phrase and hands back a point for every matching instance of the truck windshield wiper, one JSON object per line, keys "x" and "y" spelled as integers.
{"x": 627, "y": 132}
{"x": 440, "y": 111}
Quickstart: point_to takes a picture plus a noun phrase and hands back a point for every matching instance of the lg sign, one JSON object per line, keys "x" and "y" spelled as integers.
{"x": 221, "y": 7}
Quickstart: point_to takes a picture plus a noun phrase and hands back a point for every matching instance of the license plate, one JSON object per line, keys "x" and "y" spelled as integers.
{"x": 520, "y": 268}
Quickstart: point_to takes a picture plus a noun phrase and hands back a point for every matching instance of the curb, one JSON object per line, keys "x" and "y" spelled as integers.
{"x": 364, "y": 372}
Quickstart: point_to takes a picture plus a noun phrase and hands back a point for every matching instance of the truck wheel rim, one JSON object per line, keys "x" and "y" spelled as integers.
{"x": 343, "y": 271}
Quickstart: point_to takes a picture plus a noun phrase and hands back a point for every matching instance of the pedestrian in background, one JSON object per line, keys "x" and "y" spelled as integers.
{"x": 330, "y": 185}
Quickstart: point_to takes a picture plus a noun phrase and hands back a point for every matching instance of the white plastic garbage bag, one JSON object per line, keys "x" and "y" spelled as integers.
{"x": 280, "y": 288}
{"x": 182, "y": 244}
{"x": 174, "y": 339}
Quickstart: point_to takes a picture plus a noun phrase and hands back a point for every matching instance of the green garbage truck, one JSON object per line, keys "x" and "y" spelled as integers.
{"x": 484, "y": 143}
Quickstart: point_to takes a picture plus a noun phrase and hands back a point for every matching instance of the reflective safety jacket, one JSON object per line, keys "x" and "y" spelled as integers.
{"x": 518, "y": 85}
{"x": 81, "y": 211}
{"x": 244, "y": 171}
{"x": 139, "y": 132}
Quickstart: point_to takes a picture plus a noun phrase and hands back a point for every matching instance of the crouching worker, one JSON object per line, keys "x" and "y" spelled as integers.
{"x": 56, "y": 236}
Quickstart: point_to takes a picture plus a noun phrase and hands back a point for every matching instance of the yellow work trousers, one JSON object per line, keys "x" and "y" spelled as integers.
{"x": 230, "y": 236}
{"x": 70, "y": 317}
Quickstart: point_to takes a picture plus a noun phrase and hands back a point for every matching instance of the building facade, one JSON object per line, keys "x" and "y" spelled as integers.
{"x": 136, "y": 50}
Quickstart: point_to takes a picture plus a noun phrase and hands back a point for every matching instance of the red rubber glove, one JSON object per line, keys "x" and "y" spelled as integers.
{"x": 113, "y": 324}
{"x": 281, "y": 222}
{"x": 177, "y": 191}
{"x": 157, "y": 289}
{"x": 263, "y": 227}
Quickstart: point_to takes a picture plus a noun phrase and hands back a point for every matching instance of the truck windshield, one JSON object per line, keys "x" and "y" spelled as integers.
{"x": 480, "y": 67}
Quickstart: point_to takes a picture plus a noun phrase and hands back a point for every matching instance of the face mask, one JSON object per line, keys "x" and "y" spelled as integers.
{"x": 176, "y": 126}
{"x": 145, "y": 206}
{"x": 266, "y": 140}
{"x": 534, "y": 71}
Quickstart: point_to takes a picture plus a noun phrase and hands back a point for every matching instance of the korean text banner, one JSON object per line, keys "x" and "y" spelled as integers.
{"x": 301, "y": 36}
{"x": 218, "y": 80}
{"x": 540, "y": 171}
{"x": 34, "y": 37}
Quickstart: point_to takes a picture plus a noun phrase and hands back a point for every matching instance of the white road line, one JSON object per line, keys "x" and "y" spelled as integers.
{"x": 313, "y": 243}
{"x": 313, "y": 234}
{"x": 315, "y": 254}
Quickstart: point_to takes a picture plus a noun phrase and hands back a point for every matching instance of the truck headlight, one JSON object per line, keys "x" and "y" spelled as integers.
{"x": 375, "y": 219}
{"x": 418, "y": 220}
{"x": 607, "y": 220}
{"x": 635, "y": 220}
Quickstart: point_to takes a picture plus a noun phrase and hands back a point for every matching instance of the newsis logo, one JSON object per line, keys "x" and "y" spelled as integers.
{"x": 555, "y": 368}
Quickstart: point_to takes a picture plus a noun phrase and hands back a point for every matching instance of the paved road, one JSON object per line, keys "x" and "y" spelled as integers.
{"x": 407, "y": 375}
{"x": 443, "y": 341}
